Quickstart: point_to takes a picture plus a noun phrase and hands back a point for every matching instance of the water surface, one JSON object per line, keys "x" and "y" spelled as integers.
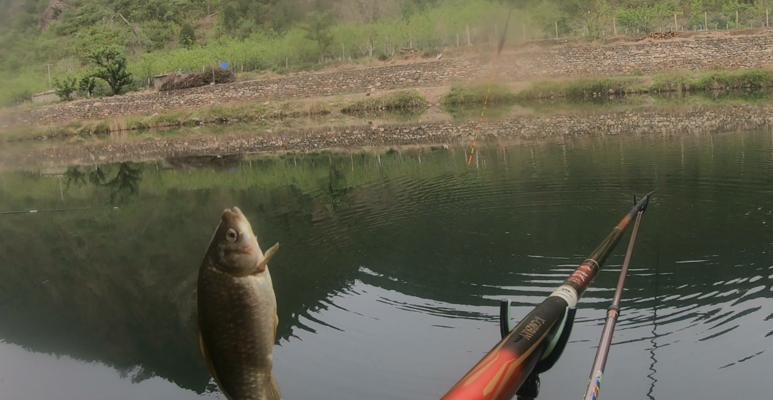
{"x": 392, "y": 266}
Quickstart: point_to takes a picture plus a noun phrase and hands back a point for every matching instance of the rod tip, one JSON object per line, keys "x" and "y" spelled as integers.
{"x": 645, "y": 201}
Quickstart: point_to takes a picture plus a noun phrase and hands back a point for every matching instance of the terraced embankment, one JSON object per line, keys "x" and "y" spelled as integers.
{"x": 550, "y": 59}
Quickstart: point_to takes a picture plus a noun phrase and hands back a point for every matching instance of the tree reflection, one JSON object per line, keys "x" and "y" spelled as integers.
{"x": 123, "y": 186}
{"x": 74, "y": 176}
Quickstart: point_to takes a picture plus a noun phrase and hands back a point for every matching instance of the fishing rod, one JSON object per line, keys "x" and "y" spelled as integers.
{"x": 535, "y": 344}
{"x": 613, "y": 312}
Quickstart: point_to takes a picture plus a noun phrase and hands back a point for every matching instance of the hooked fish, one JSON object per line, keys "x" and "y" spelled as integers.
{"x": 237, "y": 311}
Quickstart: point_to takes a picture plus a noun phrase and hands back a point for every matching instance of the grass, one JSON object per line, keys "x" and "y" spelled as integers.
{"x": 218, "y": 115}
{"x": 604, "y": 89}
{"x": 734, "y": 80}
{"x": 583, "y": 89}
{"x": 486, "y": 94}
{"x": 408, "y": 100}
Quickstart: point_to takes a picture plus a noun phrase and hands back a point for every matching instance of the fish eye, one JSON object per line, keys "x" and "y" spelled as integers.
{"x": 231, "y": 235}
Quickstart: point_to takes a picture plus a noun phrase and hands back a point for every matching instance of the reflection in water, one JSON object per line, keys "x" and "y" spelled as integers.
{"x": 392, "y": 265}
{"x": 652, "y": 375}
{"x": 121, "y": 187}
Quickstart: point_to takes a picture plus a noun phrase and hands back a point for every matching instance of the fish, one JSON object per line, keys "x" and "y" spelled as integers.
{"x": 237, "y": 311}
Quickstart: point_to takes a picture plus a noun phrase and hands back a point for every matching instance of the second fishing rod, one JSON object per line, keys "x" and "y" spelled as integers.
{"x": 613, "y": 313}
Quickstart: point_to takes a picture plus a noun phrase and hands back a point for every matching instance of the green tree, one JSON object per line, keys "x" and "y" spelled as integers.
{"x": 318, "y": 29}
{"x": 187, "y": 35}
{"x": 65, "y": 88}
{"x": 111, "y": 68}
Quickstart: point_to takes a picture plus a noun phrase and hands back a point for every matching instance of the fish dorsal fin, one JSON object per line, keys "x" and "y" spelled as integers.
{"x": 270, "y": 253}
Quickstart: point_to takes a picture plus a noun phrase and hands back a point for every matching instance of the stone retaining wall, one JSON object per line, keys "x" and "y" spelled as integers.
{"x": 712, "y": 51}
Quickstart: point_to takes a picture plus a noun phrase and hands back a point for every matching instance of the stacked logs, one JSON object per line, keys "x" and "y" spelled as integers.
{"x": 185, "y": 81}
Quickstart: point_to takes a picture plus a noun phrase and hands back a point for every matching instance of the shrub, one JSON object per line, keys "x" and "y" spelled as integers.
{"x": 65, "y": 88}
{"x": 111, "y": 68}
{"x": 87, "y": 86}
{"x": 187, "y": 35}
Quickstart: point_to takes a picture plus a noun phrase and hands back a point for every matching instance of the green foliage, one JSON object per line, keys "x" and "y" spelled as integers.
{"x": 647, "y": 17}
{"x": 242, "y": 18}
{"x": 674, "y": 82}
{"x": 87, "y": 85}
{"x": 66, "y": 87}
{"x": 318, "y": 29}
{"x": 110, "y": 66}
{"x": 407, "y": 100}
{"x": 583, "y": 89}
{"x": 600, "y": 89}
{"x": 732, "y": 80}
{"x": 158, "y": 36}
{"x": 478, "y": 95}
{"x": 187, "y": 35}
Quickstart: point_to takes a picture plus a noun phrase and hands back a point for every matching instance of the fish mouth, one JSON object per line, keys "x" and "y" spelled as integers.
{"x": 233, "y": 213}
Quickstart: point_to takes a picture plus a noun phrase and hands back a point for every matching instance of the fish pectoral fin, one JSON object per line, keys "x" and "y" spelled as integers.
{"x": 268, "y": 255}
{"x": 276, "y": 325}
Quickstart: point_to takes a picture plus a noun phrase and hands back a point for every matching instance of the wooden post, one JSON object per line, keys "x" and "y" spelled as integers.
{"x": 457, "y": 39}
{"x": 705, "y": 21}
{"x": 614, "y": 25}
{"x": 343, "y": 52}
{"x": 469, "y": 40}
{"x": 767, "y": 18}
{"x": 49, "y": 75}
{"x": 556, "y": 29}
{"x": 287, "y": 64}
{"x": 736, "y": 19}
{"x": 213, "y": 75}
{"x": 676, "y": 24}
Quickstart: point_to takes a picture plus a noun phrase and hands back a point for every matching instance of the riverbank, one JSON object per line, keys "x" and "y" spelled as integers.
{"x": 516, "y": 67}
{"x": 246, "y": 139}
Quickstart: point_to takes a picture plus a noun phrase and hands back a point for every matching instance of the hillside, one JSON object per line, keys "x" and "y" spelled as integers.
{"x": 46, "y": 40}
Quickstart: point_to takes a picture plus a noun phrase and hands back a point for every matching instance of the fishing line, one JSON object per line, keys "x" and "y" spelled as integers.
{"x": 654, "y": 345}
{"x": 53, "y": 210}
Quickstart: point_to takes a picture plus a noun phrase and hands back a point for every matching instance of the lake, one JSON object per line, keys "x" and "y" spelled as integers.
{"x": 392, "y": 266}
